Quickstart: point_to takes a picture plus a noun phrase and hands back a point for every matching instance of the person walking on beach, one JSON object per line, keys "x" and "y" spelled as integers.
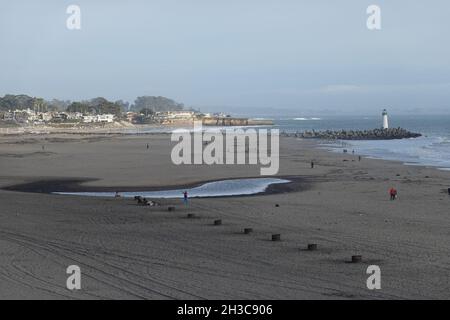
{"x": 148, "y": 146}
{"x": 185, "y": 197}
{"x": 393, "y": 193}
{"x": 312, "y": 164}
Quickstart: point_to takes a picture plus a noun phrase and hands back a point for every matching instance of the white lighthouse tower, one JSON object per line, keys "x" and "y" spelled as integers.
{"x": 385, "y": 119}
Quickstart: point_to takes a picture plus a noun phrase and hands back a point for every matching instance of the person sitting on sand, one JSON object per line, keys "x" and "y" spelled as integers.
{"x": 393, "y": 193}
{"x": 139, "y": 199}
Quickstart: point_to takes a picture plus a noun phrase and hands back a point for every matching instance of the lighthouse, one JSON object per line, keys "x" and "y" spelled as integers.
{"x": 385, "y": 119}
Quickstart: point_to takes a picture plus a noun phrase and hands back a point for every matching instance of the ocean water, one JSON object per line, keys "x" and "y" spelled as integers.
{"x": 432, "y": 149}
{"x": 220, "y": 188}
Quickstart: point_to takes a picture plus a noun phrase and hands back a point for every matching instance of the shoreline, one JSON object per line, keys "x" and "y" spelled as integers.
{"x": 317, "y": 144}
{"x": 336, "y": 147}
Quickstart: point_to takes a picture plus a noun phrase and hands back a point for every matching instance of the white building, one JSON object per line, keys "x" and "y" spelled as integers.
{"x": 174, "y": 115}
{"x": 89, "y": 119}
{"x": 385, "y": 119}
{"x": 8, "y": 116}
{"x": 109, "y": 118}
{"x": 74, "y": 116}
{"x": 47, "y": 116}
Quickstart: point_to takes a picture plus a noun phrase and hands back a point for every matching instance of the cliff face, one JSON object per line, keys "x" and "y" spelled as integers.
{"x": 375, "y": 134}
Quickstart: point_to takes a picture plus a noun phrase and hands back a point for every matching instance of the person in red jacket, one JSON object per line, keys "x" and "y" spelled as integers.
{"x": 393, "y": 193}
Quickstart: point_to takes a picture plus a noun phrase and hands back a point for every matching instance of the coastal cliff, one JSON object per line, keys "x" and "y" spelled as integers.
{"x": 374, "y": 134}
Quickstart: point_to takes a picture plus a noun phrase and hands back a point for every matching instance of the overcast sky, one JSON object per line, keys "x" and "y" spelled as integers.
{"x": 305, "y": 56}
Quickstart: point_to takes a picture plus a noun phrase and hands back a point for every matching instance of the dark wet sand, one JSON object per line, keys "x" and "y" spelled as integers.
{"x": 133, "y": 252}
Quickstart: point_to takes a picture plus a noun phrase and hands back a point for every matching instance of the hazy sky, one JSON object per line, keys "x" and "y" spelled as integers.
{"x": 308, "y": 56}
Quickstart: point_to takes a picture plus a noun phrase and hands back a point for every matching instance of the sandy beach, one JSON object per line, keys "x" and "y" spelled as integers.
{"x": 126, "y": 251}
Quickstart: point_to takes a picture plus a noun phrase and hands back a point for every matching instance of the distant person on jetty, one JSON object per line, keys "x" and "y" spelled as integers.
{"x": 148, "y": 146}
{"x": 185, "y": 197}
{"x": 312, "y": 164}
{"x": 393, "y": 193}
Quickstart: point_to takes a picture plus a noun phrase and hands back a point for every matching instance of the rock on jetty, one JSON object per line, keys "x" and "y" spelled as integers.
{"x": 375, "y": 134}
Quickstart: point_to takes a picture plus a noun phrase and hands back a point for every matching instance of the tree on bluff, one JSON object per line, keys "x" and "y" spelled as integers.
{"x": 156, "y": 104}
{"x": 22, "y": 102}
{"x": 80, "y": 107}
{"x": 97, "y": 106}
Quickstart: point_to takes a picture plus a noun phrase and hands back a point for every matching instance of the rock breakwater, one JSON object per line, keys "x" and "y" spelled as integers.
{"x": 374, "y": 134}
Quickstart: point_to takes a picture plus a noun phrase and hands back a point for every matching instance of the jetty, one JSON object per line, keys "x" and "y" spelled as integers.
{"x": 374, "y": 134}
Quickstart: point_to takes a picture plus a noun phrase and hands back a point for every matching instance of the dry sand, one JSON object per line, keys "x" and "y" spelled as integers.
{"x": 128, "y": 251}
